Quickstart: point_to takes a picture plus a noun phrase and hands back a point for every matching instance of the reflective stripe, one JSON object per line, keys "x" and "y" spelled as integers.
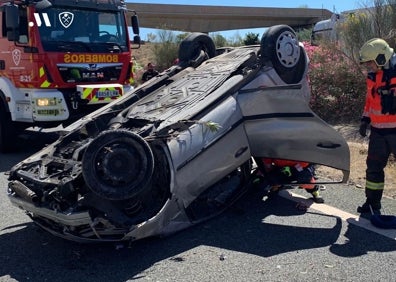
{"x": 375, "y": 185}
{"x": 90, "y": 94}
{"x": 384, "y": 125}
{"x": 45, "y": 84}
{"x": 41, "y": 72}
{"x": 131, "y": 81}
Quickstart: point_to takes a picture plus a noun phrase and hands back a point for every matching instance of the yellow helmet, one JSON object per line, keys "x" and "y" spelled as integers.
{"x": 376, "y": 50}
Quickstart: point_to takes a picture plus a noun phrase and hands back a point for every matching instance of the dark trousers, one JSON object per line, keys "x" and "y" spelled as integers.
{"x": 379, "y": 150}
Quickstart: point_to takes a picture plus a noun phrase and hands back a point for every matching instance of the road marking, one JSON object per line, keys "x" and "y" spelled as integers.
{"x": 345, "y": 216}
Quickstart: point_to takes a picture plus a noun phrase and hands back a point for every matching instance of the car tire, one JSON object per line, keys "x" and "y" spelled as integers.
{"x": 117, "y": 165}
{"x": 280, "y": 47}
{"x": 190, "y": 48}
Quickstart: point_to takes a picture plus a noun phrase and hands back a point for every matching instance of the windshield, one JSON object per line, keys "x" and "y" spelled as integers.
{"x": 76, "y": 30}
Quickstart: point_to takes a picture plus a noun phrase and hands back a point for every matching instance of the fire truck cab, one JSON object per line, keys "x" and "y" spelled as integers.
{"x": 61, "y": 59}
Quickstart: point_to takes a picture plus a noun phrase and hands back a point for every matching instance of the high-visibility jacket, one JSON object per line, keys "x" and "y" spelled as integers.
{"x": 376, "y": 82}
{"x": 296, "y": 174}
{"x": 283, "y": 163}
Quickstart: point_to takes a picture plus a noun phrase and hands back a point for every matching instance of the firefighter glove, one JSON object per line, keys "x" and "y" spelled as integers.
{"x": 363, "y": 128}
{"x": 286, "y": 171}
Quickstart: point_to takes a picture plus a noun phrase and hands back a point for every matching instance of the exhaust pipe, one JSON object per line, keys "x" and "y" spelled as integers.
{"x": 23, "y": 191}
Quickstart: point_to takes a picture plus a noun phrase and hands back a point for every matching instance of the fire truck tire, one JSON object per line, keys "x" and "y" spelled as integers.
{"x": 190, "y": 48}
{"x": 280, "y": 46}
{"x": 8, "y": 132}
{"x": 118, "y": 164}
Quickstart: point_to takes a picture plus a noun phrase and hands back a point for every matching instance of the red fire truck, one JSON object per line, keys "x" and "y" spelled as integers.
{"x": 60, "y": 59}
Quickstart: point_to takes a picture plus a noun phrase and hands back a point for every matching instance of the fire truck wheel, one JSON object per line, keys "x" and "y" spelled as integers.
{"x": 190, "y": 48}
{"x": 280, "y": 46}
{"x": 8, "y": 132}
{"x": 118, "y": 164}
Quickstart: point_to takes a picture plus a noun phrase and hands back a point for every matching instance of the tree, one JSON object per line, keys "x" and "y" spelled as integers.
{"x": 376, "y": 20}
{"x": 218, "y": 40}
{"x": 251, "y": 39}
{"x": 235, "y": 40}
{"x": 304, "y": 34}
{"x": 181, "y": 36}
{"x": 166, "y": 51}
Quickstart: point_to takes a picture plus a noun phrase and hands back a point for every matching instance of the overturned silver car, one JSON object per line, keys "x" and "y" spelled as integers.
{"x": 178, "y": 149}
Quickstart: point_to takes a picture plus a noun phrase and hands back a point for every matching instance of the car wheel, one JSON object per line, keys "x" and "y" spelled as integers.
{"x": 279, "y": 45}
{"x": 194, "y": 45}
{"x": 118, "y": 165}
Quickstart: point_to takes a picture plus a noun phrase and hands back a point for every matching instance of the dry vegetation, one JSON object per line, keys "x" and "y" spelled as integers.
{"x": 357, "y": 145}
{"x": 143, "y": 56}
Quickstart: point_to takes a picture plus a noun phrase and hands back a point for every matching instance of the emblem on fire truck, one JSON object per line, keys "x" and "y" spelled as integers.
{"x": 16, "y": 56}
{"x": 66, "y": 19}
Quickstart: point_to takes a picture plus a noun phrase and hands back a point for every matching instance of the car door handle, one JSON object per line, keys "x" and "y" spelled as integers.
{"x": 240, "y": 152}
{"x": 328, "y": 145}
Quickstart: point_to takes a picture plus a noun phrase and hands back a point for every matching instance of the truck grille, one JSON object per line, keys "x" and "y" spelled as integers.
{"x": 90, "y": 73}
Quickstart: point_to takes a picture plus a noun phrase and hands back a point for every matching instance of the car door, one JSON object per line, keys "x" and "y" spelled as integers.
{"x": 280, "y": 124}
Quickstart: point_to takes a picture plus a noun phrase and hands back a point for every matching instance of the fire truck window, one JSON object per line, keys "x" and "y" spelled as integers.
{"x": 79, "y": 28}
{"x": 23, "y": 26}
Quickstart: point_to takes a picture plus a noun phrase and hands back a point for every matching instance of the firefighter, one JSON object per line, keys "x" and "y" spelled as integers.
{"x": 380, "y": 113}
{"x": 279, "y": 171}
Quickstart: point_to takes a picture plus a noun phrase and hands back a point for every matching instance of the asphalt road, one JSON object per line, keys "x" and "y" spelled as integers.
{"x": 256, "y": 240}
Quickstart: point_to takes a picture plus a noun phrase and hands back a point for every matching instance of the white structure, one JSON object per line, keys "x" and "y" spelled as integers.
{"x": 326, "y": 29}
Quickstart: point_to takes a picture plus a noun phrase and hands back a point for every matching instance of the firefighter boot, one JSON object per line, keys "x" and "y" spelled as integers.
{"x": 315, "y": 194}
{"x": 373, "y": 202}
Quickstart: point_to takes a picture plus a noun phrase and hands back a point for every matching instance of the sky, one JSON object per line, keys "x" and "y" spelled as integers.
{"x": 336, "y": 6}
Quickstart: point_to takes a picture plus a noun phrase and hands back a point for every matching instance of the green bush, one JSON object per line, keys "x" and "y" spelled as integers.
{"x": 338, "y": 86}
{"x": 166, "y": 51}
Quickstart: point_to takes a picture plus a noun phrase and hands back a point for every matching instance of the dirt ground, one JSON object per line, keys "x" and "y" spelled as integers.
{"x": 358, "y": 148}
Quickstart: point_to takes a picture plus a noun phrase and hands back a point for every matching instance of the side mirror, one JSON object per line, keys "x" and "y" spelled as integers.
{"x": 135, "y": 24}
{"x": 135, "y": 28}
{"x": 136, "y": 39}
{"x": 136, "y": 42}
{"x": 12, "y": 22}
{"x": 12, "y": 16}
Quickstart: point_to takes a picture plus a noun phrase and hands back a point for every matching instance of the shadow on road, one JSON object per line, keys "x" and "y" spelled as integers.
{"x": 27, "y": 144}
{"x": 358, "y": 245}
{"x": 30, "y": 254}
